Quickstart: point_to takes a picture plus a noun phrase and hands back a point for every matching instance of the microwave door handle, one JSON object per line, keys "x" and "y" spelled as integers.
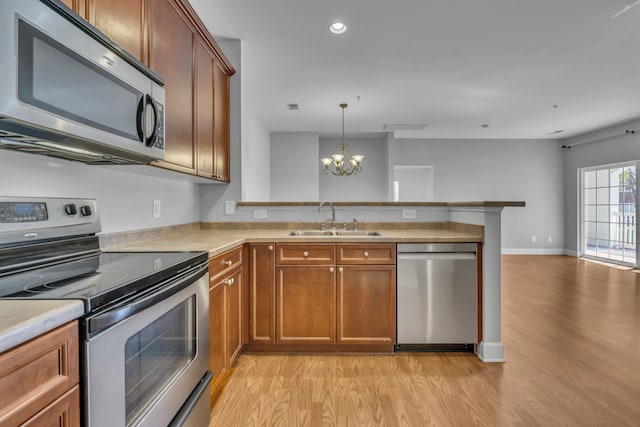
{"x": 104, "y": 320}
{"x": 151, "y": 139}
{"x": 140, "y": 119}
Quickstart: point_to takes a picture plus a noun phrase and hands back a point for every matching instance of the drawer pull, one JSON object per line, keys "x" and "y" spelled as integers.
{"x": 340, "y": 269}
{"x": 270, "y": 247}
{"x": 366, "y": 254}
{"x": 229, "y": 282}
{"x": 228, "y": 263}
{"x": 331, "y": 269}
{"x": 305, "y": 254}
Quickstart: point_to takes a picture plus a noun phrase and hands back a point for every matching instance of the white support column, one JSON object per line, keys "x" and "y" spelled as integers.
{"x": 491, "y": 348}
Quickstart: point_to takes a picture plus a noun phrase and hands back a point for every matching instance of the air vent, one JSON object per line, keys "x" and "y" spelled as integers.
{"x": 293, "y": 107}
{"x": 404, "y": 126}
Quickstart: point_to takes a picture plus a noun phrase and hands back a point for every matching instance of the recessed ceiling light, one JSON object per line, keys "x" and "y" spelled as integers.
{"x": 337, "y": 27}
{"x": 293, "y": 107}
{"x": 484, "y": 126}
{"x": 555, "y": 132}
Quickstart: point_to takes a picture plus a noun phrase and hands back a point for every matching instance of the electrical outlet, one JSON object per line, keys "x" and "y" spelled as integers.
{"x": 229, "y": 207}
{"x": 549, "y": 239}
{"x": 156, "y": 208}
{"x": 260, "y": 214}
{"x": 409, "y": 213}
{"x": 533, "y": 239}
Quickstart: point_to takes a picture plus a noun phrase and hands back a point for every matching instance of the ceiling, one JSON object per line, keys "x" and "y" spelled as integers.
{"x": 525, "y": 68}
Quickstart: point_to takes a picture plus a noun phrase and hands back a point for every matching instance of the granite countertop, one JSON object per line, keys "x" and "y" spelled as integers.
{"x": 218, "y": 241}
{"x": 22, "y": 320}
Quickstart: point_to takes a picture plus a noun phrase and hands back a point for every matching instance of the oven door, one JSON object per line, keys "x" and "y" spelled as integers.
{"x": 143, "y": 368}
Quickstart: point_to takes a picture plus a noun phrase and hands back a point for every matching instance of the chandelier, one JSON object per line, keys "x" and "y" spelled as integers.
{"x": 337, "y": 162}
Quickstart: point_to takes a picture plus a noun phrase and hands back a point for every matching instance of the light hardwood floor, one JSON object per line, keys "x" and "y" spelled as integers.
{"x": 571, "y": 330}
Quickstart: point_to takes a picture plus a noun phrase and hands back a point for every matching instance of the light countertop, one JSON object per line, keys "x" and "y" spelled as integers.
{"x": 22, "y": 320}
{"x": 218, "y": 241}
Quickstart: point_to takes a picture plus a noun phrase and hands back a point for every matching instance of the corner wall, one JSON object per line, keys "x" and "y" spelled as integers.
{"x": 601, "y": 147}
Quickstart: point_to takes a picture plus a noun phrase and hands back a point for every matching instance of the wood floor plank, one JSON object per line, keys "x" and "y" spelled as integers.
{"x": 571, "y": 330}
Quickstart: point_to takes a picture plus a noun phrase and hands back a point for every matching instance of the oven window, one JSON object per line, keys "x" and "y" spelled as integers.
{"x": 156, "y": 355}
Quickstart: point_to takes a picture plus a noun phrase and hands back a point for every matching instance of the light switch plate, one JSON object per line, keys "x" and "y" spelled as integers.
{"x": 260, "y": 214}
{"x": 409, "y": 213}
{"x": 229, "y": 207}
{"x": 156, "y": 209}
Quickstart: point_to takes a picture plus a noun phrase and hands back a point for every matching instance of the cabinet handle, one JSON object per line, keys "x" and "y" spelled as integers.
{"x": 270, "y": 247}
{"x": 228, "y": 282}
{"x": 340, "y": 269}
{"x": 366, "y": 253}
{"x": 305, "y": 254}
{"x": 331, "y": 269}
{"x": 228, "y": 263}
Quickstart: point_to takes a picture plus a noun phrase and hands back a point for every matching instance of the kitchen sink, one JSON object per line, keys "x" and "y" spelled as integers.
{"x": 334, "y": 233}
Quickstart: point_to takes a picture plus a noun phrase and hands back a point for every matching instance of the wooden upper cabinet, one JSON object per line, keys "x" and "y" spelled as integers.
{"x": 204, "y": 108}
{"x": 122, "y": 21}
{"x": 221, "y": 123}
{"x": 78, "y": 6}
{"x": 171, "y": 41}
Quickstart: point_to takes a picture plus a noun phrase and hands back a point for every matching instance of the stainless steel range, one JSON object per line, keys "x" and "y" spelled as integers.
{"x": 145, "y": 329}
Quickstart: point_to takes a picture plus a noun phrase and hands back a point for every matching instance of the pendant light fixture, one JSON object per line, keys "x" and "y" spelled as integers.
{"x": 342, "y": 163}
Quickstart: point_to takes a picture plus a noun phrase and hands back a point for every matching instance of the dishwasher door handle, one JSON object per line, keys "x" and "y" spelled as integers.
{"x": 435, "y": 256}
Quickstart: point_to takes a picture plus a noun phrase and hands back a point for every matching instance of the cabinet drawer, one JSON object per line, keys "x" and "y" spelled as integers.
{"x": 372, "y": 253}
{"x": 224, "y": 263}
{"x": 305, "y": 254}
{"x": 36, "y": 373}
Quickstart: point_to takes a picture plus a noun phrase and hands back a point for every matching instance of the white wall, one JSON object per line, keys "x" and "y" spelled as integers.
{"x": 125, "y": 199}
{"x": 294, "y": 166}
{"x": 368, "y": 185}
{"x": 516, "y": 170}
{"x": 602, "y": 147}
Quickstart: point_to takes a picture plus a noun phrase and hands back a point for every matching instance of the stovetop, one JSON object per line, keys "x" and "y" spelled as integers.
{"x": 99, "y": 279}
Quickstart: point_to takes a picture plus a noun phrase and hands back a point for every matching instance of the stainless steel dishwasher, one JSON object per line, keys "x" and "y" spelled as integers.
{"x": 437, "y": 297}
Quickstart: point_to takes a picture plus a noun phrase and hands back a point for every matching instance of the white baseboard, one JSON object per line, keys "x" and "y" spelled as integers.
{"x": 533, "y": 251}
{"x": 491, "y": 352}
{"x": 569, "y": 252}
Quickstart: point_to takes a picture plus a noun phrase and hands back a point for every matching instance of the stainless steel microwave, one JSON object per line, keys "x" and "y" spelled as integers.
{"x": 69, "y": 91}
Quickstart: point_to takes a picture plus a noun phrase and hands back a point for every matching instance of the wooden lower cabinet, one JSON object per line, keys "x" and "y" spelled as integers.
{"x": 225, "y": 311}
{"x": 366, "y": 304}
{"x": 262, "y": 294}
{"x": 64, "y": 412}
{"x": 39, "y": 380}
{"x": 325, "y": 296}
{"x": 305, "y": 307}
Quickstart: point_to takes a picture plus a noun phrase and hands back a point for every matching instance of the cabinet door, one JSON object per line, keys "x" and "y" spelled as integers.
{"x": 63, "y": 412}
{"x": 122, "y": 21}
{"x": 78, "y": 6}
{"x": 232, "y": 297}
{"x": 262, "y": 294}
{"x": 221, "y": 124}
{"x": 217, "y": 332}
{"x": 171, "y": 55}
{"x": 305, "y": 307}
{"x": 204, "y": 109}
{"x": 366, "y": 304}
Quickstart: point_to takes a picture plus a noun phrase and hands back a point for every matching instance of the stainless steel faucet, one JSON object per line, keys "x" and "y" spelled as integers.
{"x": 333, "y": 211}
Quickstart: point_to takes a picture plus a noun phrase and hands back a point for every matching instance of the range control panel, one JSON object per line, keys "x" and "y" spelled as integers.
{"x": 31, "y": 218}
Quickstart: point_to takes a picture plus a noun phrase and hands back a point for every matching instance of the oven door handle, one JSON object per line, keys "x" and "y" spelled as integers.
{"x": 102, "y": 321}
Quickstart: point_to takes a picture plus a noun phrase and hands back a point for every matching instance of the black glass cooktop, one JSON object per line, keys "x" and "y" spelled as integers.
{"x": 100, "y": 279}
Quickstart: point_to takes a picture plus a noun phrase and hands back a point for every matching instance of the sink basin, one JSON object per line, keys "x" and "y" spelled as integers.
{"x": 330, "y": 233}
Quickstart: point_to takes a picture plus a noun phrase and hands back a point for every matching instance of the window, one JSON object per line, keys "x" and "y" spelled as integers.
{"x": 609, "y": 213}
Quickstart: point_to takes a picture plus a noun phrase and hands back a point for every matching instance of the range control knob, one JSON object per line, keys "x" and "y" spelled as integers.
{"x": 85, "y": 210}
{"x": 70, "y": 209}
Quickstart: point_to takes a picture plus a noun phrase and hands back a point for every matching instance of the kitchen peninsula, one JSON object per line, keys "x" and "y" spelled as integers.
{"x": 471, "y": 222}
